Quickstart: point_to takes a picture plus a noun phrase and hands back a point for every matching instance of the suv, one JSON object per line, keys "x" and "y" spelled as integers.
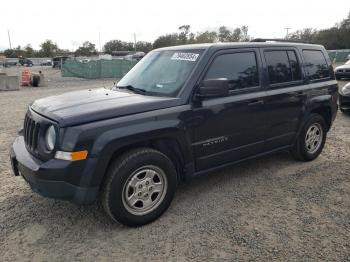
{"x": 58, "y": 61}
{"x": 25, "y": 62}
{"x": 180, "y": 112}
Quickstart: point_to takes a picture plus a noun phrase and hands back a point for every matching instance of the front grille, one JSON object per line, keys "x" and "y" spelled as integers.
{"x": 31, "y": 133}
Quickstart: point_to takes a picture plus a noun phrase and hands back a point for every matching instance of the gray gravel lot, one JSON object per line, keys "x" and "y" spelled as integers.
{"x": 272, "y": 208}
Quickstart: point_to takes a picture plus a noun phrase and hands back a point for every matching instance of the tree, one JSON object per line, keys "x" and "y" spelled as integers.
{"x": 117, "y": 45}
{"x": 10, "y": 53}
{"x": 29, "y": 51}
{"x": 143, "y": 46}
{"x": 48, "y": 48}
{"x": 244, "y": 36}
{"x": 207, "y": 37}
{"x": 166, "y": 40}
{"x": 14, "y": 53}
{"x": 306, "y": 34}
{"x": 87, "y": 49}
{"x": 184, "y": 31}
{"x": 224, "y": 34}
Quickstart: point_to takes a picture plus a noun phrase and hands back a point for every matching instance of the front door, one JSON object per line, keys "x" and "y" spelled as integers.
{"x": 231, "y": 128}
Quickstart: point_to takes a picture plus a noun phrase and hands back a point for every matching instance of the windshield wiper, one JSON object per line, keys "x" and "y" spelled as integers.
{"x": 133, "y": 89}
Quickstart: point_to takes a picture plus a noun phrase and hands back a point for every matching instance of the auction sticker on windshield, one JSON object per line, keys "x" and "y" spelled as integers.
{"x": 185, "y": 56}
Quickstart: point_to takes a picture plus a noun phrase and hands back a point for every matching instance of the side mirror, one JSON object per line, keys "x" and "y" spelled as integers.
{"x": 213, "y": 88}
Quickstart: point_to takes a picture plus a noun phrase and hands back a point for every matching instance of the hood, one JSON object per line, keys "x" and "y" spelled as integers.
{"x": 343, "y": 67}
{"x": 85, "y": 106}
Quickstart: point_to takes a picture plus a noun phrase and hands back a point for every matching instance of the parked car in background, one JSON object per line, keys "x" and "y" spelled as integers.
{"x": 58, "y": 61}
{"x": 11, "y": 62}
{"x": 181, "y": 112}
{"x": 25, "y": 62}
{"x": 344, "y": 98}
{"x": 342, "y": 71}
{"x": 46, "y": 63}
{"x": 85, "y": 61}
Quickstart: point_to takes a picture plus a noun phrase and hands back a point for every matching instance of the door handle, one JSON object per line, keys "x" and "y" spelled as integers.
{"x": 256, "y": 102}
{"x": 300, "y": 93}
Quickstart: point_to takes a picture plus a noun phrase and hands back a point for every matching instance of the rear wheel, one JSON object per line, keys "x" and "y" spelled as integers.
{"x": 311, "y": 139}
{"x": 140, "y": 186}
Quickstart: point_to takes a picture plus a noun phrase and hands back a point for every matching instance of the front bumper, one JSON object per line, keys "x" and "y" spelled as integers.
{"x": 344, "y": 102}
{"x": 342, "y": 74}
{"x": 54, "y": 178}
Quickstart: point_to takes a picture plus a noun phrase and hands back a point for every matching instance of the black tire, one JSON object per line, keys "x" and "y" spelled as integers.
{"x": 300, "y": 150}
{"x": 337, "y": 77}
{"x": 119, "y": 176}
{"x": 35, "y": 80}
{"x": 346, "y": 112}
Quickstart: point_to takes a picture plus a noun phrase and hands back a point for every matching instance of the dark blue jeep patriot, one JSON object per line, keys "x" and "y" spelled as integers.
{"x": 180, "y": 112}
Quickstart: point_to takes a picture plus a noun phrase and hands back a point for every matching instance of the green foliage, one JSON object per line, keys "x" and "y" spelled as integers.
{"x": 117, "y": 45}
{"x": 87, "y": 49}
{"x": 143, "y": 46}
{"x": 166, "y": 40}
{"x": 206, "y": 37}
{"x": 48, "y": 49}
{"x": 187, "y": 37}
{"x": 336, "y": 37}
{"x": 15, "y": 53}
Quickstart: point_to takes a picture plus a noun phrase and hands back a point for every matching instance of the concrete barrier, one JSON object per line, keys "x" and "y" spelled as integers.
{"x": 8, "y": 83}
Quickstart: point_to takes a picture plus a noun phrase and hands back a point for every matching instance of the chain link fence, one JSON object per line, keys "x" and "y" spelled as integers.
{"x": 95, "y": 69}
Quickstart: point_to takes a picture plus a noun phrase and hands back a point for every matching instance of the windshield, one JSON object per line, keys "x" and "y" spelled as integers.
{"x": 161, "y": 72}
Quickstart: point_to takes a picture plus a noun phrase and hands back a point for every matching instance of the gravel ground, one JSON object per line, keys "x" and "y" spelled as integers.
{"x": 272, "y": 208}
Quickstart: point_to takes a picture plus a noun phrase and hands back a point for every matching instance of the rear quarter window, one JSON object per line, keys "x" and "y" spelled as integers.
{"x": 316, "y": 64}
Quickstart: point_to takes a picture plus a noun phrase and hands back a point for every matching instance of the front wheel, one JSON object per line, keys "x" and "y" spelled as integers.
{"x": 140, "y": 186}
{"x": 311, "y": 139}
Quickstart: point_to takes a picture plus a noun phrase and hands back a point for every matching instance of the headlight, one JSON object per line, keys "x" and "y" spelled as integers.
{"x": 50, "y": 138}
{"x": 346, "y": 89}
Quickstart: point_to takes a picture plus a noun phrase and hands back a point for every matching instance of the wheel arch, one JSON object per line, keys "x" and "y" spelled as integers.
{"x": 172, "y": 143}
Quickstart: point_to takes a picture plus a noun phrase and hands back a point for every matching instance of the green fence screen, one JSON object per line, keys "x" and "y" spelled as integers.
{"x": 339, "y": 56}
{"x": 97, "y": 69}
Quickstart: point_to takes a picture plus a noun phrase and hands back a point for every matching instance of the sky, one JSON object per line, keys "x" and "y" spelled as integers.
{"x": 71, "y": 22}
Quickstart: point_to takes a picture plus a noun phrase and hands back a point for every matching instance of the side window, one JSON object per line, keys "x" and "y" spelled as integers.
{"x": 316, "y": 64}
{"x": 283, "y": 66}
{"x": 239, "y": 68}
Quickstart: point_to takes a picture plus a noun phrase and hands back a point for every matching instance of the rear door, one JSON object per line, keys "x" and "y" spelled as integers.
{"x": 285, "y": 95}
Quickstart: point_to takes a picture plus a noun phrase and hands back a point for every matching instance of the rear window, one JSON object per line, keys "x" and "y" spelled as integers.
{"x": 316, "y": 64}
{"x": 283, "y": 66}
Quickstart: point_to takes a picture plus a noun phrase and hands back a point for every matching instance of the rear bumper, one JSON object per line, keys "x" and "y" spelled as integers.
{"x": 344, "y": 102}
{"x": 50, "y": 178}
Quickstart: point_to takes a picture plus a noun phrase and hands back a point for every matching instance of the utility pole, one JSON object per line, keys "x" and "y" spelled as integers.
{"x": 8, "y": 33}
{"x": 99, "y": 38}
{"x": 287, "y": 29}
{"x": 135, "y": 42}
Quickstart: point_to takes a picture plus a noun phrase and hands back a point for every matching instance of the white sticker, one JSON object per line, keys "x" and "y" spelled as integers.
{"x": 185, "y": 56}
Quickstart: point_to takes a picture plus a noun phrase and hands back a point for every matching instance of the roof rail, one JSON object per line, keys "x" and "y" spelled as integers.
{"x": 280, "y": 40}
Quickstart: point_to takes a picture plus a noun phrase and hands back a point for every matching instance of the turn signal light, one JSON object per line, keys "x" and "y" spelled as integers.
{"x": 71, "y": 156}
